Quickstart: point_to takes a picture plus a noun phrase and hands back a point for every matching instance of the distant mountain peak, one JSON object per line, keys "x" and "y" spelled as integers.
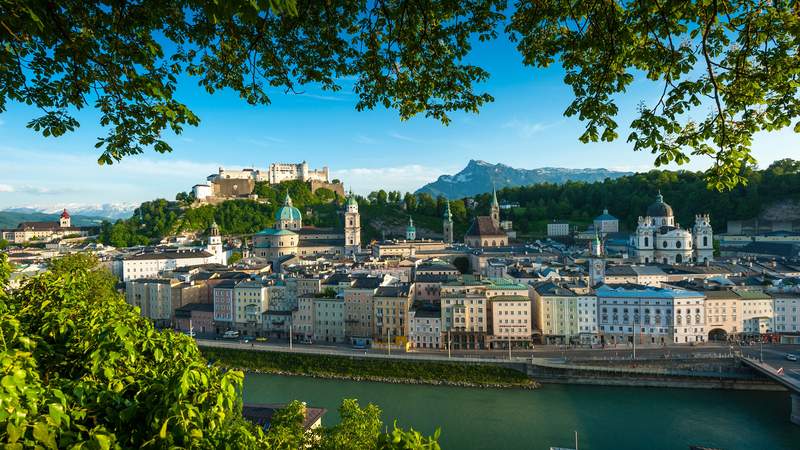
{"x": 480, "y": 176}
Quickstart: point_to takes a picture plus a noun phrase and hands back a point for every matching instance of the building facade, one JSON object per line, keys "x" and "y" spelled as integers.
{"x": 658, "y": 239}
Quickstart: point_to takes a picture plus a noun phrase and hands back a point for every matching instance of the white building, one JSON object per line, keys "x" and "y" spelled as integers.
{"x": 787, "y": 312}
{"x": 152, "y": 264}
{"x": 279, "y": 172}
{"x": 587, "y": 319}
{"x": 606, "y": 223}
{"x": 511, "y": 321}
{"x": 757, "y": 309}
{"x": 425, "y": 328}
{"x": 650, "y": 315}
{"x": 658, "y": 239}
{"x": 557, "y": 229}
{"x": 202, "y": 191}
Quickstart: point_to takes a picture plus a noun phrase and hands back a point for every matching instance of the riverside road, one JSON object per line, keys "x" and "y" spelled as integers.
{"x": 774, "y": 354}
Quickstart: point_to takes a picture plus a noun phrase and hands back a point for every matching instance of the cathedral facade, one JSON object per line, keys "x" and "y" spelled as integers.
{"x": 658, "y": 239}
{"x": 290, "y": 237}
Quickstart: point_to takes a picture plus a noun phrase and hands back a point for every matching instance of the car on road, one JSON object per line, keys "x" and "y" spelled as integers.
{"x": 307, "y": 341}
{"x": 261, "y": 339}
{"x": 791, "y": 357}
{"x": 190, "y": 333}
{"x": 231, "y": 334}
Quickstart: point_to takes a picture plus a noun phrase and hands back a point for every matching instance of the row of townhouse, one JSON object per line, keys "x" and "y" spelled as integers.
{"x": 624, "y": 313}
{"x": 472, "y": 313}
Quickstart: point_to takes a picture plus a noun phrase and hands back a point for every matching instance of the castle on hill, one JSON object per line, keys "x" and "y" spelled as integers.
{"x": 230, "y": 184}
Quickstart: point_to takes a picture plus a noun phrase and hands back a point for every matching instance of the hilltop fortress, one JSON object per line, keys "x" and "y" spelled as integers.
{"x": 228, "y": 184}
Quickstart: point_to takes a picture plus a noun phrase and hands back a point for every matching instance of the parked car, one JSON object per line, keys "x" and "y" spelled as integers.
{"x": 190, "y": 333}
{"x": 791, "y": 357}
{"x": 261, "y": 339}
{"x": 307, "y": 341}
{"x": 231, "y": 334}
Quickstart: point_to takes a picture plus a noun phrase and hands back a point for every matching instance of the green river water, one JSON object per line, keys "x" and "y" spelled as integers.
{"x": 605, "y": 417}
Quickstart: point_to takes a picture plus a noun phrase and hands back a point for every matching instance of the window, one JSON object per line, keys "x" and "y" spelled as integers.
{"x": 664, "y": 244}
{"x": 678, "y": 244}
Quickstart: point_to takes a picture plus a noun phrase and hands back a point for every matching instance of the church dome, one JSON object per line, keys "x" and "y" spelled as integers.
{"x": 659, "y": 208}
{"x": 287, "y": 212}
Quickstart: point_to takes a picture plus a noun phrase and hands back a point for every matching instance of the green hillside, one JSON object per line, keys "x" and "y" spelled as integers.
{"x": 386, "y": 213}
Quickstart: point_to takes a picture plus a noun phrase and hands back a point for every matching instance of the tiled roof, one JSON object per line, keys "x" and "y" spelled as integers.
{"x": 484, "y": 226}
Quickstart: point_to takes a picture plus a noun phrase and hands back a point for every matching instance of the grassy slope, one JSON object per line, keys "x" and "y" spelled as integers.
{"x": 368, "y": 369}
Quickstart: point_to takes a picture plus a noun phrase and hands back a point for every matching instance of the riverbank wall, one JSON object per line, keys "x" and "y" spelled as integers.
{"x": 694, "y": 373}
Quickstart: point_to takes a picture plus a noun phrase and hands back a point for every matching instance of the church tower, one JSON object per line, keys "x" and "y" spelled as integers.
{"x": 703, "y": 238}
{"x": 64, "y": 221}
{"x": 411, "y": 231}
{"x": 214, "y": 245}
{"x": 447, "y": 224}
{"x": 352, "y": 226}
{"x": 495, "y": 209}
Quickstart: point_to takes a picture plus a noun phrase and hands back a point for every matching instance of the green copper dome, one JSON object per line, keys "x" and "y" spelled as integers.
{"x": 351, "y": 200}
{"x": 287, "y": 212}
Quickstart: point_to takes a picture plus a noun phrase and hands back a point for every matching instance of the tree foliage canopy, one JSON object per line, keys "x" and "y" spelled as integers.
{"x": 725, "y": 69}
{"x": 82, "y": 369}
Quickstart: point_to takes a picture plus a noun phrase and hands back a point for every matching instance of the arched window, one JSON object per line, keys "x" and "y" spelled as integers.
{"x": 646, "y": 241}
{"x": 664, "y": 244}
{"x": 485, "y": 243}
{"x": 705, "y": 241}
{"x": 502, "y": 243}
{"x": 678, "y": 258}
{"x": 647, "y": 260}
{"x": 494, "y": 243}
{"x": 665, "y": 260}
{"x": 678, "y": 244}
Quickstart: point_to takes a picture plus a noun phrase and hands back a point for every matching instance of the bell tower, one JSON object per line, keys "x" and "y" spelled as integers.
{"x": 495, "y": 209}
{"x": 447, "y": 225}
{"x": 352, "y": 226}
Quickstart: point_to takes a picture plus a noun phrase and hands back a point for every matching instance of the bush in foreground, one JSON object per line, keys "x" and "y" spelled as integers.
{"x": 81, "y": 369}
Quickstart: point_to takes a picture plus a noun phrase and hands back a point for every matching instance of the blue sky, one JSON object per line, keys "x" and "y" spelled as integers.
{"x": 523, "y": 127}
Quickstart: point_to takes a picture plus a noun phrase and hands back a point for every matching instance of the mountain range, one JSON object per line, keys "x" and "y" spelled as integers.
{"x": 480, "y": 176}
{"x": 109, "y": 211}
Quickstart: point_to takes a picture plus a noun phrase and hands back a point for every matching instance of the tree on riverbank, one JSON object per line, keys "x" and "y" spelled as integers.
{"x": 81, "y": 368}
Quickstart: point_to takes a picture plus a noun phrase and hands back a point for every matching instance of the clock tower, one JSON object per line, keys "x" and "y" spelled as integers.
{"x": 597, "y": 271}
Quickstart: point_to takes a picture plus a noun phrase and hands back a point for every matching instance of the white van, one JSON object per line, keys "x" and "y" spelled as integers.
{"x": 231, "y": 334}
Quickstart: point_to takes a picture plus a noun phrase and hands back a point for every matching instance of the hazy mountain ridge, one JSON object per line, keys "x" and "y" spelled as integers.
{"x": 479, "y": 177}
{"x": 109, "y": 211}
{"x": 10, "y": 219}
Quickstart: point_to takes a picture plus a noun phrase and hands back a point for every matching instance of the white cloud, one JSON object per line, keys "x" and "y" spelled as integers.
{"x": 363, "y": 139}
{"x": 6, "y": 188}
{"x": 401, "y": 178}
{"x": 403, "y": 137}
{"x": 327, "y": 98}
{"x": 527, "y": 129}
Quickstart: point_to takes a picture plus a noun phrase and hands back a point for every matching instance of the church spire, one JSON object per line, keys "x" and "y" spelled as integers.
{"x": 288, "y": 200}
{"x": 494, "y": 196}
{"x": 447, "y": 214}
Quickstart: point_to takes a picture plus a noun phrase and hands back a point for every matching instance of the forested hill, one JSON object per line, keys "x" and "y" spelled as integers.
{"x": 385, "y": 213}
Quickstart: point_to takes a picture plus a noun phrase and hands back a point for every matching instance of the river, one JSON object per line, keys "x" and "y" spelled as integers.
{"x": 605, "y": 417}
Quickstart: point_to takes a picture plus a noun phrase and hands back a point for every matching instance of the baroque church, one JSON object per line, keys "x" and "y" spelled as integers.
{"x": 290, "y": 237}
{"x": 485, "y": 231}
{"x": 658, "y": 239}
